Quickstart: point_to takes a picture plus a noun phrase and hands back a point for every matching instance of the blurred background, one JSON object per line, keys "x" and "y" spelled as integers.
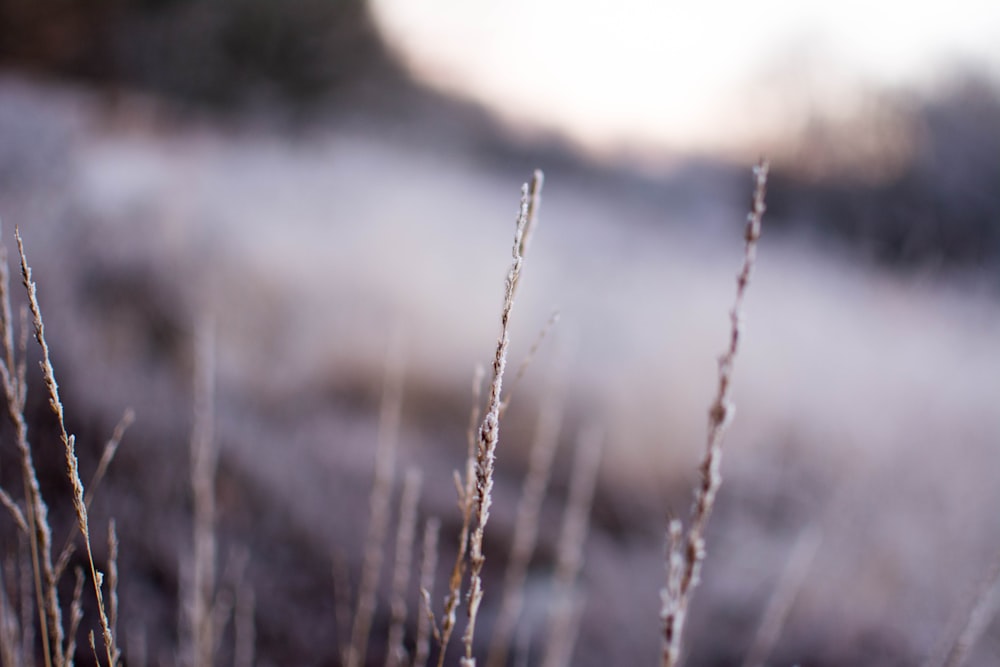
{"x": 322, "y": 177}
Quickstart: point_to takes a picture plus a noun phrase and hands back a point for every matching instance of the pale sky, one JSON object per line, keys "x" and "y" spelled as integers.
{"x": 691, "y": 76}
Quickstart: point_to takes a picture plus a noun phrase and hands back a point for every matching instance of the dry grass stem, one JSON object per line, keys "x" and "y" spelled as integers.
{"x": 522, "y": 647}
{"x": 341, "y": 602}
{"x": 113, "y": 585}
{"x": 72, "y": 463}
{"x": 428, "y": 566}
{"x": 489, "y": 430}
{"x": 7, "y": 321}
{"x": 983, "y": 610}
{"x": 563, "y": 633}
{"x": 204, "y": 461}
{"x": 405, "y": 535}
{"x": 107, "y": 456}
{"x": 572, "y": 536}
{"x": 15, "y": 511}
{"x": 244, "y": 627}
{"x": 75, "y": 616}
{"x": 385, "y": 463}
{"x": 536, "y": 481}
{"x": 73, "y": 471}
{"x": 465, "y": 490}
{"x": 28, "y": 606}
{"x": 10, "y": 629}
{"x": 472, "y": 432}
{"x": 36, "y": 513}
{"x": 227, "y": 592}
{"x": 69, "y": 447}
{"x": 684, "y": 572}
{"x": 531, "y": 214}
{"x": 792, "y": 577}
{"x": 532, "y": 351}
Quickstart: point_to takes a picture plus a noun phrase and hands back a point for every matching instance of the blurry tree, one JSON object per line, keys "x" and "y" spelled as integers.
{"x": 940, "y": 207}
{"x": 218, "y": 52}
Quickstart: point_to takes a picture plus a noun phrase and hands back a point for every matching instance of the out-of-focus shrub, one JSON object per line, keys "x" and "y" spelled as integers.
{"x": 941, "y": 209}
{"x": 222, "y": 53}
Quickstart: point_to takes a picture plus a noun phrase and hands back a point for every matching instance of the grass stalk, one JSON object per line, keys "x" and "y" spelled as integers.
{"x": 793, "y": 576}
{"x": 69, "y": 445}
{"x": 378, "y": 526}
{"x": 428, "y": 567}
{"x": 28, "y": 604}
{"x": 204, "y": 461}
{"x": 464, "y": 488}
{"x": 75, "y": 616}
{"x": 107, "y": 456}
{"x": 341, "y": 603}
{"x": 244, "y": 627}
{"x": 982, "y": 612}
{"x": 406, "y": 531}
{"x": 9, "y": 627}
{"x": 113, "y": 585}
{"x": 572, "y": 536}
{"x": 489, "y": 430}
{"x": 686, "y": 553}
{"x": 36, "y": 512}
{"x": 527, "y": 523}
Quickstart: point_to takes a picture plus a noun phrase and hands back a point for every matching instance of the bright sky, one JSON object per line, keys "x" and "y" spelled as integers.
{"x": 686, "y": 75}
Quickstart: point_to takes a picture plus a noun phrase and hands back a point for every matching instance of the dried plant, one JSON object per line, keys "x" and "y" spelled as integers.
{"x": 778, "y": 607}
{"x": 341, "y": 602}
{"x": 58, "y": 643}
{"x": 564, "y": 617}
{"x": 489, "y": 430}
{"x": 244, "y": 629}
{"x": 204, "y": 460}
{"x": 475, "y": 487}
{"x": 42, "y": 539}
{"x": 685, "y": 556}
{"x": 110, "y": 449}
{"x": 981, "y": 613}
{"x": 465, "y": 490}
{"x": 396, "y": 653}
{"x": 428, "y": 566}
{"x": 378, "y": 526}
{"x": 75, "y": 616}
{"x": 10, "y": 627}
{"x": 36, "y": 512}
{"x": 686, "y": 550}
{"x": 526, "y": 525}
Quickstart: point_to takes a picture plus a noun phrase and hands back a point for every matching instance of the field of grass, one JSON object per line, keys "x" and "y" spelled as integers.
{"x": 295, "y": 326}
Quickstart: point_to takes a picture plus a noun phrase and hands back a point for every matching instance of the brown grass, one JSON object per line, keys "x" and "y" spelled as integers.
{"x": 58, "y": 643}
{"x": 378, "y": 526}
{"x": 396, "y": 653}
{"x": 204, "y": 461}
{"x": 428, "y": 566}
{"x": 576, "y": 520}
{"x": 685, "y": 552}
{"x": 527, "y": 523}
{"x": 982, "y": 611}
{"x": 489, "y": 434}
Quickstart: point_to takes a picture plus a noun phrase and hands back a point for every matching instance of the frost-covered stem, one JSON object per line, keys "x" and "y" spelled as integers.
{"x": 396, "y": 653}
{"x": 428, "y": 566}
{"x": 489, "y": 430}
{"x": 378, "y": 521}
{"x": 687, "y": 553}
